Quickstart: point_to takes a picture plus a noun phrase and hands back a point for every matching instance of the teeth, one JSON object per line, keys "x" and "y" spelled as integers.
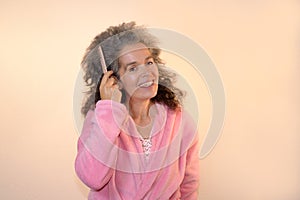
{"x": 147, "y": 84}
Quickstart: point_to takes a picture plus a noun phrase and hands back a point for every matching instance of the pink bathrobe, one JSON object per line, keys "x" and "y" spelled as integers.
{"x": 112, "y": 162}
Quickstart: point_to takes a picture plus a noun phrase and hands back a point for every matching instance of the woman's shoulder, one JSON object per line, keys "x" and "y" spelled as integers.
{"x": 179, "y": 111}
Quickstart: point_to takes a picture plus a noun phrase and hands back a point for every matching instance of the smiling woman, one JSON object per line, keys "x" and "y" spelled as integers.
{"x": 115, "y": 42}
{"x": 138, "y": 72}
{"x": 137, "y": 141}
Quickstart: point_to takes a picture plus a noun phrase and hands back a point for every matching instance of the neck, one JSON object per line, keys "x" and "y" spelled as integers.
{"x": 139, "y": 111}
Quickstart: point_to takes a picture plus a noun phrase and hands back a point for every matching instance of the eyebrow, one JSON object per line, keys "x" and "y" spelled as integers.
{"x": 134, "y": 62}
{"x": 131, "y": 63}
{"x": 147, "y": 58}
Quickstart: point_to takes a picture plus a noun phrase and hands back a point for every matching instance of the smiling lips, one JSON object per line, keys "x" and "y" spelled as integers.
{"x": 146, "y": 84}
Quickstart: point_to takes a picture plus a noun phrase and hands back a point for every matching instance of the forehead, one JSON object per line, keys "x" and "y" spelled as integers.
{"x": 132, "y": 48}
{"x": 134, "y": 52}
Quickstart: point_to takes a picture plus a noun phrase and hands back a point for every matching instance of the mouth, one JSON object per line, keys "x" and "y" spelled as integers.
{"x": 146, "y": 84}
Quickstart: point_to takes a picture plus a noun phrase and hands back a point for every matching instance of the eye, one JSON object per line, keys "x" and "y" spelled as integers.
{"x": 132, "y": 68}
{"x": 150, "y": 63}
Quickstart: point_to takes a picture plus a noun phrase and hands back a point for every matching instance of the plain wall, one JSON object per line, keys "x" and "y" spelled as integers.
{"x": 254, "y": 45}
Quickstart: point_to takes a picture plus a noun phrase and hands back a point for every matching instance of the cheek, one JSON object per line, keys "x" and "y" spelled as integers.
{"x": 155, "y": 68}
{"x": 155, "y": 72}
{"x": 128, "y": 82}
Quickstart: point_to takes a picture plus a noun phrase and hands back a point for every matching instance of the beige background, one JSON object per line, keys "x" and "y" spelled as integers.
{"x": 254, "y": 45}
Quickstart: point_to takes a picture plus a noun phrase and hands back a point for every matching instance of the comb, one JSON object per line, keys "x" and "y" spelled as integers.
{"x": 102, "y": 60}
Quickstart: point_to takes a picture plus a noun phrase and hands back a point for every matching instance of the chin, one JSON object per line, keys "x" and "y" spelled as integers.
{"x": 145, "y": 94}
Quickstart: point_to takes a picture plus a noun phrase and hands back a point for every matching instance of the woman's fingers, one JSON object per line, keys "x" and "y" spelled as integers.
{"x": 111, "y": 81}
{"x": 109, "y": 88}
{"x": 105, "y": 77}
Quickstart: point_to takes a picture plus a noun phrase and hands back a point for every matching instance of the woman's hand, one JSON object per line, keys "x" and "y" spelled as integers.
{"x": 109, "y": 88}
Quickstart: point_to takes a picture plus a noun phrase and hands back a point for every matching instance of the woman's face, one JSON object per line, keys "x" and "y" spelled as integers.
{"x": 138, "y": 72}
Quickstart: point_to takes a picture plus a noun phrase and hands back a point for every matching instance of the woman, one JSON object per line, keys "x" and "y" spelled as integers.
{"x": 137, "y": 142}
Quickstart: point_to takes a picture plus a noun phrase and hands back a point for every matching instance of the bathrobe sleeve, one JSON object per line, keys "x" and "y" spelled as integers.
{"x": 190, "y": 184}
{"x": 97, "y": 145}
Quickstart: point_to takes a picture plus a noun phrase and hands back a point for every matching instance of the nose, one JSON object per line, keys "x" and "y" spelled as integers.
{"x": 145, "y": 70}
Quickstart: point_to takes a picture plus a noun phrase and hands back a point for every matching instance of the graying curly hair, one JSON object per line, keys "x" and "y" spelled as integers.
{"x": 112, "y": 41}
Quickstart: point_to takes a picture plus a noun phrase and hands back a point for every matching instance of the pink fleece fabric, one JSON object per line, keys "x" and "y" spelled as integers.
{"x": 111, "y": 161}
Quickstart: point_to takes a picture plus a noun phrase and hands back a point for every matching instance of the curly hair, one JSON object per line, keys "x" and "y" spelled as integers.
{"x": 112, "y": 41}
